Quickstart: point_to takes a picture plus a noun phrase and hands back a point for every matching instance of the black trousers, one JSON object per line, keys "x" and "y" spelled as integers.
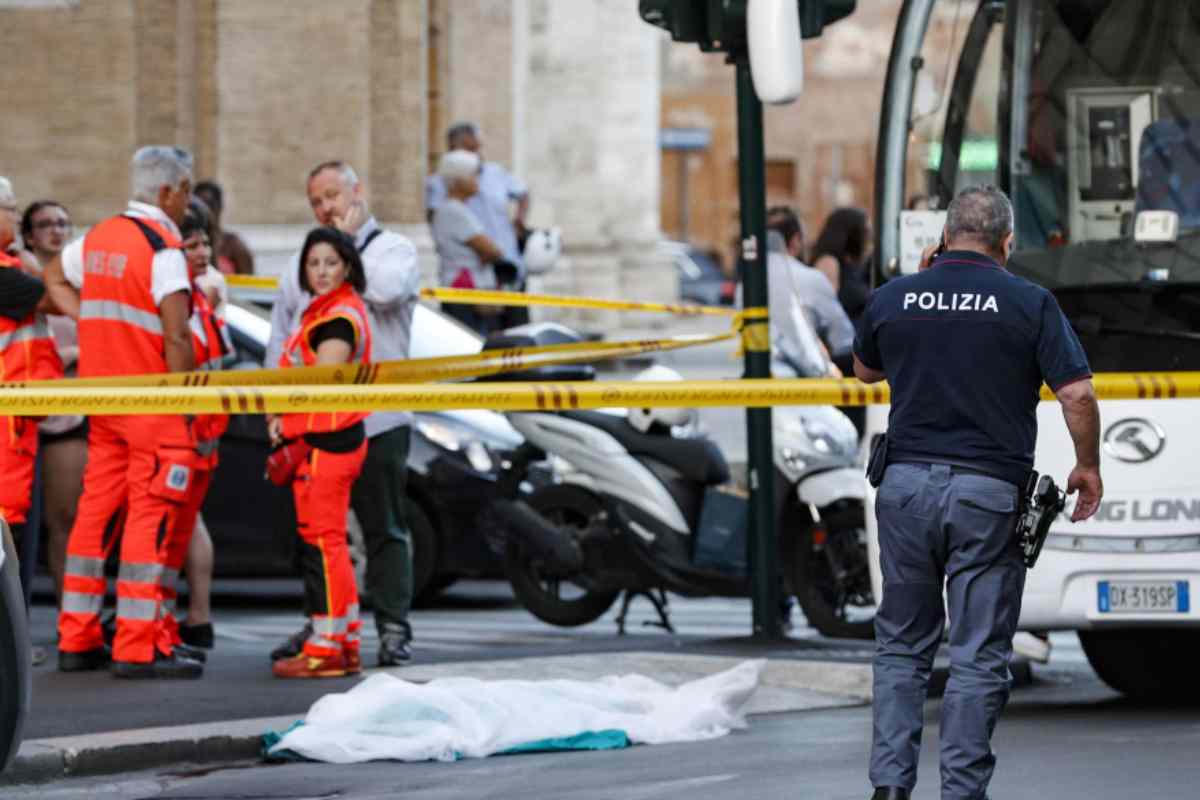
{"x": 379, "y": 501}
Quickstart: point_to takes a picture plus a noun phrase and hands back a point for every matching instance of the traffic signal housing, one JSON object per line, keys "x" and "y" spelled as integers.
{"x": 720, "y": 25}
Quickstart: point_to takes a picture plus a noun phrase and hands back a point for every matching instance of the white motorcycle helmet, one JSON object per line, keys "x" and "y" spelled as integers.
{"x": 643, "y": 419}
{"x": 542, "y": 249}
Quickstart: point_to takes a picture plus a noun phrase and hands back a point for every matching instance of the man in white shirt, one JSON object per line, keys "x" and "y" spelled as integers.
{"x": 337, "y": 199}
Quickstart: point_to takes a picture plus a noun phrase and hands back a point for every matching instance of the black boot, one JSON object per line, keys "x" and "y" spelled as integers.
{"x": 86, "y": 661}
{"x": 890, "y": 793}
{"x": 168, "y": 667}
{"x": 194, "y": 653}
{"x": 197, "y": 635}
{"x": 294, "y": 644}
{"x": 393, "y": 646}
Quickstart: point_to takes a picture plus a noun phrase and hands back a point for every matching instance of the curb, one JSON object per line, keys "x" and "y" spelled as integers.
{"x": 42, "y": 760}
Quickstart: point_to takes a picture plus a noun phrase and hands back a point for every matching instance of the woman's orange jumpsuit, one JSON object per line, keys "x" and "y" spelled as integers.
{"x": 321, "y": 487}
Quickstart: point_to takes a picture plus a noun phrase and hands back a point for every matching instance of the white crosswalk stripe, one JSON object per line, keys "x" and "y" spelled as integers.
{"x": 464, "y": 630}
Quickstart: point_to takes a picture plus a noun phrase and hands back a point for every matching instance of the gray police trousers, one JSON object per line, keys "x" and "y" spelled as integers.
{"x": 938, "y": 527}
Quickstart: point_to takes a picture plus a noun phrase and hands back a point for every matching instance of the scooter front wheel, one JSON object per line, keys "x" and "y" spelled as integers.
{"x": 549, "y": 595}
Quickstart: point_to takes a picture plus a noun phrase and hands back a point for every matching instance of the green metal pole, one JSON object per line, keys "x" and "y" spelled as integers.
{"x": 764, "y": 546}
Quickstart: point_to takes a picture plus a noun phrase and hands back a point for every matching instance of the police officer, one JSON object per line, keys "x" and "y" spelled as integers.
{"x": 966, "y": 347}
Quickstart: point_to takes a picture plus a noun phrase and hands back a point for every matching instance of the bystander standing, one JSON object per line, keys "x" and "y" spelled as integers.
{"x": 232, "y": 254}
{"x": 45, "y": 228}
{"x": 500, "y": 205}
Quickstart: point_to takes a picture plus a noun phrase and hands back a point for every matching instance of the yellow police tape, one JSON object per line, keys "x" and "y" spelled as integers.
{"x": 514, "y": 396}
{"x": 488, "y": 297}
{"x": 415, "y": 370}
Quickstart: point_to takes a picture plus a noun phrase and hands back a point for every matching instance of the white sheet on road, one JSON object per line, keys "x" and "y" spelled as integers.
{"x": 385, "y": 717}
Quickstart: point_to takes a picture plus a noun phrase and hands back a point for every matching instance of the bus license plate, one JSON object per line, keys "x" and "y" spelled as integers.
{"x": 1141, "y": 597}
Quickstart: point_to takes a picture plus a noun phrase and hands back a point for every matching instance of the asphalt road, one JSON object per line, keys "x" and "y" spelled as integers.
{"x": 1068, "y": 738}
{"x": 476, "y": 620}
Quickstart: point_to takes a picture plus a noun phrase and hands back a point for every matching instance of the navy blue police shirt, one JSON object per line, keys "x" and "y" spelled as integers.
{"x": 966, "y": 346}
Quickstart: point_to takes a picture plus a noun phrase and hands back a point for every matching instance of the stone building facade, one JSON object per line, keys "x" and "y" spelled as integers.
{"x": 260, "y": 91}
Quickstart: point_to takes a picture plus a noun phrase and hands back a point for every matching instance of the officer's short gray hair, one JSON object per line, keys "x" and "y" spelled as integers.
{"x": 7, "y": 195}
{"x": 347, "y": 173}
{"x": 981, "y": 213}
{"x": 157, "y": 166}
{"x": 458, "y": 130}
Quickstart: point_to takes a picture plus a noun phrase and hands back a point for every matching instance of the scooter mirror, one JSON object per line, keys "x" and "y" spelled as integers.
{"x": 776, "y": 58}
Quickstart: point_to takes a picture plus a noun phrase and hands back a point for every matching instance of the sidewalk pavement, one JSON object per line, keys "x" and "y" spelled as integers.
{"x": 787, "y": 685}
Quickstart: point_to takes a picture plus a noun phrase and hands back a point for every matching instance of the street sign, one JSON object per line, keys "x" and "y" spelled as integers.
{"x": 685, "y": 138}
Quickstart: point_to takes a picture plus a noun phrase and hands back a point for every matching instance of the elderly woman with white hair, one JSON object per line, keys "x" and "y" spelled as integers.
{"x": 469, "y": 258}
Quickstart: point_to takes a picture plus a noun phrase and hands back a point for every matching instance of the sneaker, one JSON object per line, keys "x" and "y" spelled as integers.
{"x": 188, "y": 651}
{"x": 197, "y": 635}
{"x": 294, "y": 645}
{"x": 394, "y": 650}
{"x": 38, "y": 655}
{"x": 353, "y": 659}
{"x": 306, "y": 666}
{"x": 86, "y": 661}
{"x": 169, "y": 667}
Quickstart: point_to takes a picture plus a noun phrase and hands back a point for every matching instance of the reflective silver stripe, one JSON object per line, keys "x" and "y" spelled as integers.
{"x": 80, "y": 603}
{"x": 352, "y": 612}
{"x": 130, "y": 608}
{"x": 169, "y": 577}
{"x": 116, "y": 311}
{"x": 25, "y": 333}
{"x": 330, "y": 626}
{"x": 206, "y": 447}
{"x": 85, "y": 567}
{"x": 132, "y": 572}
{"x": 168, "y": 606}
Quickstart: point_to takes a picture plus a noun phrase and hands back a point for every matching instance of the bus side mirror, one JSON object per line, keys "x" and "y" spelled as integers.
{"x": 776, "y": 58}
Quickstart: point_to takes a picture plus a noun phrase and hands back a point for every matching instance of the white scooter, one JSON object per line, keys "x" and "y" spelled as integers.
{"x": 646, "y": 507}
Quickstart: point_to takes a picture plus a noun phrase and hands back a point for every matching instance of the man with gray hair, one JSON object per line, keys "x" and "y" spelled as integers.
{"x": 966, "y": 346}
{"x": 492, "y": 205}
{"x": 126, "y": 281}
{"x": 338, "y": 199}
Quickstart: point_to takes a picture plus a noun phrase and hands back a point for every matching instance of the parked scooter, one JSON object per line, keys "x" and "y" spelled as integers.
{"x": 647, "y": 507}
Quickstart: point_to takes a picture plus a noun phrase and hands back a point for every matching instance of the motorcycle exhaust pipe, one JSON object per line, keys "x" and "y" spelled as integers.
{"x": 540, "y": 535}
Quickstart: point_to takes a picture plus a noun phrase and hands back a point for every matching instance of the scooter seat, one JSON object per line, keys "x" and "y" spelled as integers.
{"x": 696, "y": 459}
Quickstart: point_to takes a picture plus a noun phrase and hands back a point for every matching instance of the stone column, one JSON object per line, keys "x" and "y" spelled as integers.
{"x": 590, "y": 153}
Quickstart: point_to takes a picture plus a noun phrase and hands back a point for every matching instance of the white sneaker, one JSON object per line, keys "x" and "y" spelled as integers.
{"x": 1032, "y": 646}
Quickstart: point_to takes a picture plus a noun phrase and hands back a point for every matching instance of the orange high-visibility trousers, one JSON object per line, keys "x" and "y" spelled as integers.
{"x": 322, "y": 493}
{"x": 145, "y": 466}
{"x": 18, "y": 453}
{"x": 177, "y": 550}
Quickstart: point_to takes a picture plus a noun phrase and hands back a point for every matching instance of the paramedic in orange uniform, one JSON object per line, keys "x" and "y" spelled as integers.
{"x": 332, "y": 330}
{"x": 127, "y": 283}
{"x": 27, "y": 352}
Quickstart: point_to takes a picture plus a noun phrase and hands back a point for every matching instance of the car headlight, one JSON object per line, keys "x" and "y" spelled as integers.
{"x": 458, "y": 439}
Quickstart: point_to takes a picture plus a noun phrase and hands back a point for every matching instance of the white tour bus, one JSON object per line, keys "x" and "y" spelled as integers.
{"x": 1087, "y": 112}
